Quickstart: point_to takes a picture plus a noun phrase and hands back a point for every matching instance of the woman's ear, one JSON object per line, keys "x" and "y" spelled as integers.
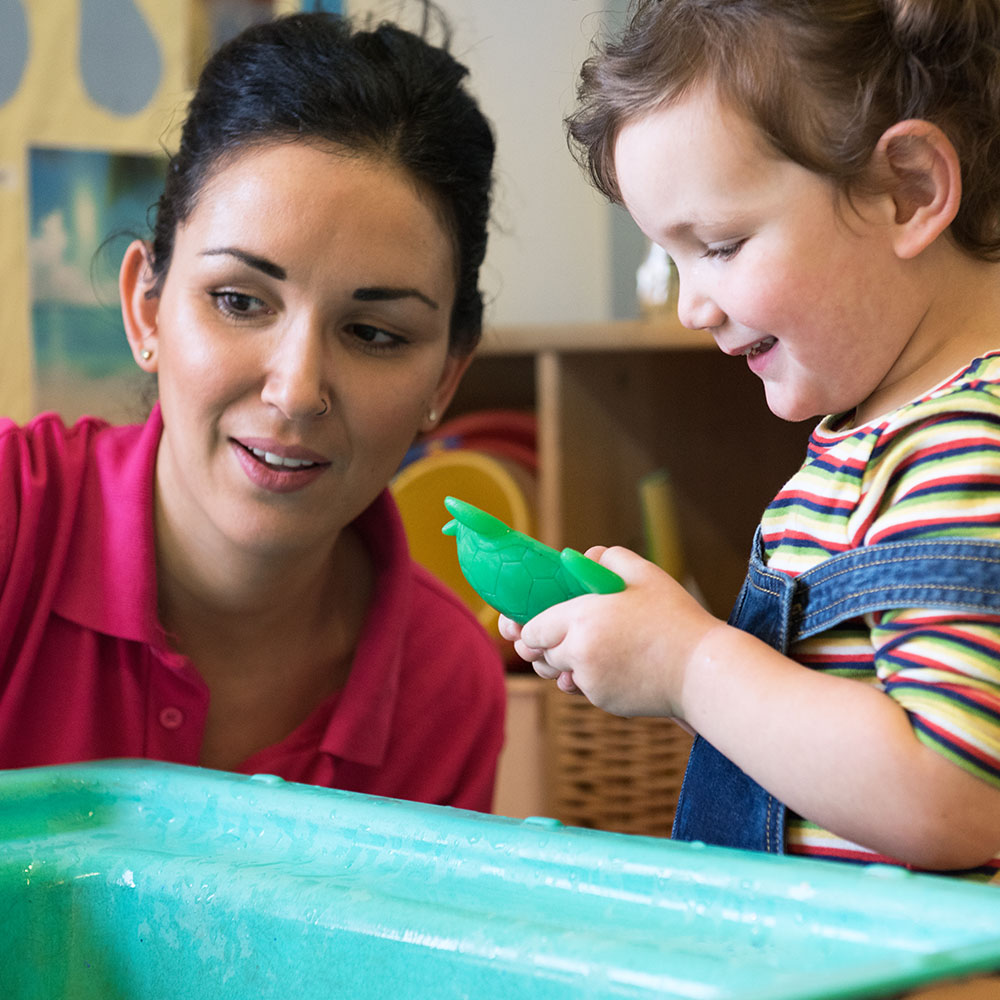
{"x": 139, "y": 309}
{"x": 925, "y": 182}
{"x": 454, "y": 368}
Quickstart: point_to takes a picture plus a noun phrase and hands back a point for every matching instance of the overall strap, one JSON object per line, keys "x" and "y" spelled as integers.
{"x": 719, "y": 803}
{"x": 959, "y": 574}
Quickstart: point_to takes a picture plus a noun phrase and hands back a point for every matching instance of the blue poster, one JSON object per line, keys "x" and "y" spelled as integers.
{"x": 85, "y": 207}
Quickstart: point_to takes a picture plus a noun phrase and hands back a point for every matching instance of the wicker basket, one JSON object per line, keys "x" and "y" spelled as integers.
{"x": 609, "y": 773}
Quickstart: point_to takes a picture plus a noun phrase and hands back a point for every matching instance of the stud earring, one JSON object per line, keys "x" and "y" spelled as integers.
{"x": 432, "y": 416}
{"x": 146, "y": 354}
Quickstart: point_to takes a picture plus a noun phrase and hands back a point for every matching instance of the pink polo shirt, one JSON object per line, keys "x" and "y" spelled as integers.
{"x": 86, "y": 673}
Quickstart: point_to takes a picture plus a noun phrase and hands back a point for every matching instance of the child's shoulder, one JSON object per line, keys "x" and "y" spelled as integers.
{"x": 978, "y": 384}
{"x": 960, "y": 414}
{"x": 970, "y": 397}
{"x": 964, "y": 407}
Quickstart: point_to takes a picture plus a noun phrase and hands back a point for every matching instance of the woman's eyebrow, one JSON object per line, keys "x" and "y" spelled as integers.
{"x": 374, "y": 294}
{"x": 251, "y": 260}
{"x": 379, "y": 294}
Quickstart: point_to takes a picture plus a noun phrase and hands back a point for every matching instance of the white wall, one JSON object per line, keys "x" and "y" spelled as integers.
{"x": 551, "y": 243}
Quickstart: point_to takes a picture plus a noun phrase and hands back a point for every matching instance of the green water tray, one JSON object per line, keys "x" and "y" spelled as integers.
{"x": 133, "y": 879}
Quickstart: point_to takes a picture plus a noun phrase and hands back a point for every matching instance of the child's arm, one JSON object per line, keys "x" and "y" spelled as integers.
{"x": 838, "y": 752}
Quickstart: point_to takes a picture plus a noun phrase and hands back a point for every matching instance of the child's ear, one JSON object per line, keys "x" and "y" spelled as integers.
{"x": 925, "y": 182}
{"x": 139, "y": 309}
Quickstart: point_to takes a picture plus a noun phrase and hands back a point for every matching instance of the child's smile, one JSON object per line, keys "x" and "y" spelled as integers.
{"x": 804, "y": 285}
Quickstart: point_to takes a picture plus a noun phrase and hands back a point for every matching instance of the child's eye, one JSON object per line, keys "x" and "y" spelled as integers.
{"x": 239, "y": 304}
{"x": 374, "y": 338}
{"x": 726, "y": 252}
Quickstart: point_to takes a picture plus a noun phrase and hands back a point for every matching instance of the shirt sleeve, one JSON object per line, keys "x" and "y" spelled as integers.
{"x": 9, "y": 499}
{"x": 940, "y": 478}
{"x": 22, "y": 514}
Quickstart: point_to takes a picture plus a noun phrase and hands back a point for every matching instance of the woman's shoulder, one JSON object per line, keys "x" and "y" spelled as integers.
{"x": 49, "y": 434}
{"x": 51, "y": 471}
{"x": 41, "y": 452}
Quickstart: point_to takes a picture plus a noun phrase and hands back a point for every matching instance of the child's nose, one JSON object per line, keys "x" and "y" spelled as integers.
{"x": 696, "y": 308}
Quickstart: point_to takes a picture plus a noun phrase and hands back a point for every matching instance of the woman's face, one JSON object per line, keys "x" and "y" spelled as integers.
{"x": 300, "y": 341}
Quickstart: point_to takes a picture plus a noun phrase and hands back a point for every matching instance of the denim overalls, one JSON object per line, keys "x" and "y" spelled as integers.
{"x": 718, "y": 803}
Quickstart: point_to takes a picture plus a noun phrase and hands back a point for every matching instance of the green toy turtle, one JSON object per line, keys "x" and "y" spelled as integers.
{"x": 516, "y": 574}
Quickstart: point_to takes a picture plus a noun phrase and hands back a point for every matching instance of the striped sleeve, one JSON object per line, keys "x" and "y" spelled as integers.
{"x": 940, "y": 478}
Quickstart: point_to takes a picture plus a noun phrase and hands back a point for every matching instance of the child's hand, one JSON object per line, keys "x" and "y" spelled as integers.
{"x": 626, "y": 652}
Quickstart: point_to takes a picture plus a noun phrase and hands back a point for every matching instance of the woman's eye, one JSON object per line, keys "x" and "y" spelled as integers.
{"x": 374, "y": 337}
{"x": 726, "y": 252}
{"x": 238, "y": 304}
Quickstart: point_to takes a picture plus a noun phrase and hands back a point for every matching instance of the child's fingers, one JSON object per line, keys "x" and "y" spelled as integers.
{"x": 546, "y": 671}
{"x": 565, "y": 683}
{"x": 528, "y": 653}
{"x": 508, "y": 628}
{"x": 547, "y": 629}
{"x": 629, "y": 565}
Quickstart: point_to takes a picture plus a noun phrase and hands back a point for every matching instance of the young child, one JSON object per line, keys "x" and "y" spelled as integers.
{"x": 826, "y": 176}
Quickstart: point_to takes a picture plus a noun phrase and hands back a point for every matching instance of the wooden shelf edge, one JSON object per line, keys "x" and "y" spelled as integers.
{"x": 614, "y": 335}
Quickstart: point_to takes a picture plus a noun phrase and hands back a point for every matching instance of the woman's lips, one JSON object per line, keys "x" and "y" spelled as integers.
{"x": 278, "y": 468}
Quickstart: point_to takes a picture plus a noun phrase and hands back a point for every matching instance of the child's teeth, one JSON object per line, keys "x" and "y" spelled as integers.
{"x": 761, "y": 345}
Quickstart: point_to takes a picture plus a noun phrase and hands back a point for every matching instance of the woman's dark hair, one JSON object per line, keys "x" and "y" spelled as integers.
{"x": 821, "y": 79}
{"x": 382, "y": 91}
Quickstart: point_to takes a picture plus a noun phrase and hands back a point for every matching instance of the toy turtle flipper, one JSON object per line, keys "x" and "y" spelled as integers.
{"x": 591, "y": 575}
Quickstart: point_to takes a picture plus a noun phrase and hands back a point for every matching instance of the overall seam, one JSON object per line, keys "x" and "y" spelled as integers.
{"x": 938, "y": 588}
{"x": 765, "y": 590}
{"x": 833, "y": 574}
{"x": 767, "y": 827}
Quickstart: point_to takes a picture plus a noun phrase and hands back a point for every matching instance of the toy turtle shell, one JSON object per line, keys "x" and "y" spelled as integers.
{"x": 515, "y": 573}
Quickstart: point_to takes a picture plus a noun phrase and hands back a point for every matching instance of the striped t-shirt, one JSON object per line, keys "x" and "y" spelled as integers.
{"x": 928, "y": 469}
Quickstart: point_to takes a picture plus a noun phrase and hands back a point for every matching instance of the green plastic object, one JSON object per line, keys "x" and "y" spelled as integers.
{"x": 515, "y": 573}
{"x": 135, "y": 880}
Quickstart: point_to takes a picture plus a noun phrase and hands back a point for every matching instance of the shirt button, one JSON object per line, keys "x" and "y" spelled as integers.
{"x": 171, "y": 717}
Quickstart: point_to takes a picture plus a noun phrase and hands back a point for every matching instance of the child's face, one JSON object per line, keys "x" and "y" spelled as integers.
{"x": 807, "y": 288}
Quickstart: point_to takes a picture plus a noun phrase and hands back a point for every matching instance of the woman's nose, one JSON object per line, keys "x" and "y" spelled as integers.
{"x": 295, "y": 381}
{"x": 696, "y": 309}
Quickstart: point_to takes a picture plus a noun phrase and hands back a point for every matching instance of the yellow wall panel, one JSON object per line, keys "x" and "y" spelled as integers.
{"x": 53, "y": 106}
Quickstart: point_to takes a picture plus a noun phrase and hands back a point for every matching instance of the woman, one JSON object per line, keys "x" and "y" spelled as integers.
{"x": 228, "y": 585}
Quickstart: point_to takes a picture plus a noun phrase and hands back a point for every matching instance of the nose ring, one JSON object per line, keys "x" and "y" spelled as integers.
{"x": 325, "y": 410}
